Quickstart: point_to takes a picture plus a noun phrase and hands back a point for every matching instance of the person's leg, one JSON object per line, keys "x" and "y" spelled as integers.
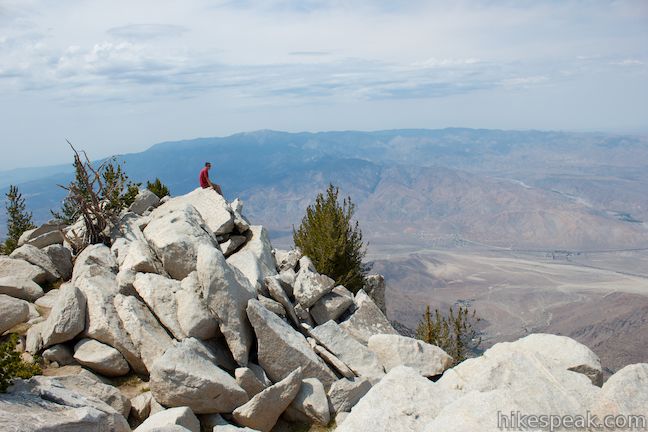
{"x": 217, "y": 188}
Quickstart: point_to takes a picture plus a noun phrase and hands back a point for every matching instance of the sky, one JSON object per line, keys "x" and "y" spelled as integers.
{"x": 119, "y": 76}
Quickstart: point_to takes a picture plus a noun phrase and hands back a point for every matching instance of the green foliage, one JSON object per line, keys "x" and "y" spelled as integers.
{"x": 12, "y": 366}
{"x": 118, "y": 192}
{"x": 68, "y": 212}
{"x": 328, "y": 236}
{"x": 158, "y": 188}
{"x": 18, "y": 219}
{"x": 456, "y": 333}
{"x": 99, "y": 195}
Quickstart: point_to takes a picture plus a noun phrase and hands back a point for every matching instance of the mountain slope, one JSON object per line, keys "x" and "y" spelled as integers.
{"x": 519, "y": 189}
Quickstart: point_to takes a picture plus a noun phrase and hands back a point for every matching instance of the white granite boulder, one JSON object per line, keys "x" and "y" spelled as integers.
{"x": 212, "y": 207}
{"x": 624, "y": 393}
{"x": 103, "y": 323}
{"x": 25, "y": 289}
{"x": 147, "y": 335}
{"x": 46, "y": 404}
{"x": 175, "y": 233}
{"x": 277, "y": 292}
{"x": 194, "y": 317}
{"x": 227, "y": 296}
{"x": 263, "y": 410}
{"x": 22, "y": 270}
{"x": 45, "y": 233}
{"x": 361, "y": 360}
{"x": 344, "y": 394}
{"x": 25, "y": 236}
{"x": 48, "y": 300}
{"x": 232, "y": 244}
{"x": 131, "y": 248}
{"x": 46, "y": 239}
{"x": 159, "y": 293}
{"x": 187, "y": 375}
{"x": 252, "y": 379}
{"x": 180, "y": 416}
{"x": 281, "y": 349}
{"x": 515, "y": 367}
{"x": 101, "y": 358}
{"x": 367, "y": 320}
{"x": 61, "y": 258}
{"x": 566, "y": 352}
{"x": 311, "y": 402}
{"x": 67, "y": 318}
{"x": 255, "y": 259}
{"x": 141, "y": 407}
{"x": 287, "y": 279}
{"x": 395, "y": 350}
{"x": 94, "y": 260}
{"x": 287, "y": 259}
{"x": 310, "y": 286}
{"x": 272, "y": 305}
{"x": 39, "y": 258}
{"x": 93, "y": 388}
{"x": 12, "y": 312}
{"x": 240, "y": 222}
{"x": 501, "y": 380}
{"x": 58, "y": 353}
{"x": 331, "y": 305}
{"x": 403, "y": 401}
{"x": 143, "y": 201}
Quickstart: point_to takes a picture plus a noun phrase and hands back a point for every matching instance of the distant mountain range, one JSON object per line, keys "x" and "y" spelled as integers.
{"x": 538, "y": 231}
{"x": 510, "y": 189}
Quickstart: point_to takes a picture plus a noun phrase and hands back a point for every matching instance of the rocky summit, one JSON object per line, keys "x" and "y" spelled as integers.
{"x": 191, "y": 321}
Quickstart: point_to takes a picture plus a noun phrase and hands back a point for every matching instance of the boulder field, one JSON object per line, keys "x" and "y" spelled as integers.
{"x": 228, "y": 334}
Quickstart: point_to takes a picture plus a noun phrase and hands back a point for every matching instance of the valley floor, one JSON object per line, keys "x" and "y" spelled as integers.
{"x": 598, "y": 298}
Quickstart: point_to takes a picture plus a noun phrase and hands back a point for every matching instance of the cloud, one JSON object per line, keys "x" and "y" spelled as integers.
{"x": 144, "y": 32}
{"x": 122, "y": 73}
{"x": 290, "y": 52}
{"x": 446, "y": 62}
{"x": 302, "y": 7}
{"x": 628, "y": 62}
{"x": 309, "y": 53}
{"x": 112, "y": 71}
{"x": 525, "y": 81}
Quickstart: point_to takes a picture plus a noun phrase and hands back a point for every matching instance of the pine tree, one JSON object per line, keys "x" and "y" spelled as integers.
{"x": 455, "y": 334}
{"x": 18, "y": 219}
{"x": 100, "y": 194}
{"x": 158, "y": 188}
{"x": 328, "y": 236}
{"x": 117, "y": 191}
{"x": 68, "y": 213}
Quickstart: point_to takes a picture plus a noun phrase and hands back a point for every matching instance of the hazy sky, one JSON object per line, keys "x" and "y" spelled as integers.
{"x": 119, "y": 76}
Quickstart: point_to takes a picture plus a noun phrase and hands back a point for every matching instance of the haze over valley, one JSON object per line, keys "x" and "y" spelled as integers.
{"x": 538, "y": 231}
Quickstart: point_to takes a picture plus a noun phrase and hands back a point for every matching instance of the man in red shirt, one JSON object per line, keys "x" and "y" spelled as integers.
{"x": 203, "y": 178}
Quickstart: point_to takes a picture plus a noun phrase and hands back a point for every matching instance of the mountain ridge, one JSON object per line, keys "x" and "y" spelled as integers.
{"x": 294, "y": 167}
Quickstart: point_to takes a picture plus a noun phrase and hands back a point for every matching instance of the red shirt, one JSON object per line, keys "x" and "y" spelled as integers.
{"x": 204, "y": 178}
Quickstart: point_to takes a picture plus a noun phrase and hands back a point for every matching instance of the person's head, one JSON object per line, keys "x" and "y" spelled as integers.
{"x": 208, "y": 166}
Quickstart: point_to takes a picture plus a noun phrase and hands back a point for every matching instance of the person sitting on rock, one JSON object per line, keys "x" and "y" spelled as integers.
{"x": 203, "y": 178}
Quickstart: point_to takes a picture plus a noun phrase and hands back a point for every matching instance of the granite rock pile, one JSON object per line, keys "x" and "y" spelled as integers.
{"x": 230, "y": 334}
